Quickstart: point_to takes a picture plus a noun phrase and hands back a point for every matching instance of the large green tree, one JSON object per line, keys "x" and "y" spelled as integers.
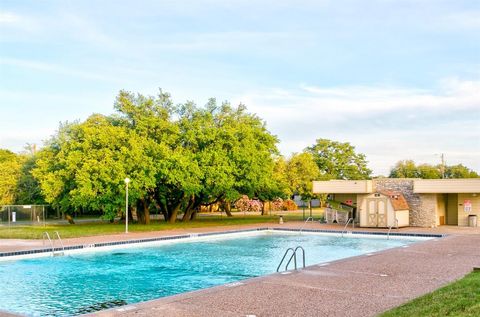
{"x": 10, "y": 171}
{"x": 178, "y": 157}
{"x": 28, "y": 189}
{"x": 234, "y": 153}
{"x": 85, "y": 164}
{"x": 338, "y": 160}
{"x": 301, "y": 171}
{"x": 280, "y": 178}
{"x": 17, "y": 184}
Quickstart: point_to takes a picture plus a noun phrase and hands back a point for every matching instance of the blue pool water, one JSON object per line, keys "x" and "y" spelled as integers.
{"x": 75, "y": 284}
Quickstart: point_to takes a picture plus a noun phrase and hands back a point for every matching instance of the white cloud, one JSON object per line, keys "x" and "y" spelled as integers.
{"x": 15, "y": 22}
{"x": 57, "y": 69}
{"x": 86, "y": 30}
{"x": 245, "y": 41}
{"x": 463, "y": 20}
{"x": 350, "y": 101}
{"x": 385, "y": 123}
{"x": 9, "y": 18}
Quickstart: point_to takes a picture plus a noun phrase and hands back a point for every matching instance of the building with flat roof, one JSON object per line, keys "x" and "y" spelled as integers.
{"x": 430, "y": 202}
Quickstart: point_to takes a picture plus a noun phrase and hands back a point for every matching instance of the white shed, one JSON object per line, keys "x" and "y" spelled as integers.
{"x": 384, "y": 209}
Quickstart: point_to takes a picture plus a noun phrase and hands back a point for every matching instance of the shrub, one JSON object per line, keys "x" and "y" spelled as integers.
{"x": 277, "y": 204}
{"x": 289, "y": 205}
{"x": 246, "y": 204}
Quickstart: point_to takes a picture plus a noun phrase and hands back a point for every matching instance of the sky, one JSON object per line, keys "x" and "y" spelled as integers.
{"x": 397, "y": 79}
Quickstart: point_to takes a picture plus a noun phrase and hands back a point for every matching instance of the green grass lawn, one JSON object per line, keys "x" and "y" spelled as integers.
{"x": 95, "y": 228}
{"x": 461, "y": 298}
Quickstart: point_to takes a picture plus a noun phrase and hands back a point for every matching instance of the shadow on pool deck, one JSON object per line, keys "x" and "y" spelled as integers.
{"x": 358, "y": 286}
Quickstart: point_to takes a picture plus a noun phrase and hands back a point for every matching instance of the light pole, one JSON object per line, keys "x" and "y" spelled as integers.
{"x": 127, "y": 180}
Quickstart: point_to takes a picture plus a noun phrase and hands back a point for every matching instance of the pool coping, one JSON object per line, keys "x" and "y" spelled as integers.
{"x": 92, "y": 246}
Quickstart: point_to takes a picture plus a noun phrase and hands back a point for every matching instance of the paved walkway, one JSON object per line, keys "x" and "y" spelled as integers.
{"x": 359, "y": 286}
{"x": 8, "y": 245}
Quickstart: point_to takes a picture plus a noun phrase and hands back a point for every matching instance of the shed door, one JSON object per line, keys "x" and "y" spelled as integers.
{"x": 377, "y": 212}
{"x": 372, "y": 212}
{"x": 382, "y": 212}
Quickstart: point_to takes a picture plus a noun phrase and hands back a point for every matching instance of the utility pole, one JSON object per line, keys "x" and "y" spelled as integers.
{"x": 443, "y": 165}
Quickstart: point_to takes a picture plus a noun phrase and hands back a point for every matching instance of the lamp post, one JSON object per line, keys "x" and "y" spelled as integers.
{"x": 127, "y": 180}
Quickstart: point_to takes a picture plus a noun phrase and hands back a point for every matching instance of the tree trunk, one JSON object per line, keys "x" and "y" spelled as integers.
{"x": 189, "y": 209}
{"x": 146, "y": 211}
{"x": 225, "y": 206}
{"x": 164, "y": 211}
{"x": 263, "y": 208}
{"x": 143, "y": 212}
{"x": 173, "y": 212}
{"x": 194, "y": 214}
{"x": 69, "y": 219}
{"x": 139, "y": 212}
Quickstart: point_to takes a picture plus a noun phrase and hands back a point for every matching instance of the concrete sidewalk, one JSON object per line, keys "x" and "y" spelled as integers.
{"x": 9, "y": 245}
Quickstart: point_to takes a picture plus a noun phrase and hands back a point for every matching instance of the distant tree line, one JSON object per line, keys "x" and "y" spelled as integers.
{"x": 409, "y": 169}
{"x": 179, "y": 157}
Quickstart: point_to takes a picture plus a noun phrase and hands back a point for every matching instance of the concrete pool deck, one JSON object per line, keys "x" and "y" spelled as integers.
{"x": 9, "y": 245}
{"x": 360, "y": 286}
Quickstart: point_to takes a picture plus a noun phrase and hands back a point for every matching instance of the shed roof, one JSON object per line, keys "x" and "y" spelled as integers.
{"x": 397, "y": 199}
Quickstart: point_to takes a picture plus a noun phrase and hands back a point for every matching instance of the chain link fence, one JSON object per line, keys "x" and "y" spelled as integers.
{"x": 11, "y": 215}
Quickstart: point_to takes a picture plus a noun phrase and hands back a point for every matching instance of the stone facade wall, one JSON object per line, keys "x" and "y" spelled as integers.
{"x": 428, "y": 210}
{"x": 422, "y": 206}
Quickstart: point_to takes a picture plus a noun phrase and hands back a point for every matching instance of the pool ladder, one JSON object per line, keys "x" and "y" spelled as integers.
{"x": 52, "y": 243}
{"x": 346, "y": 225}
{"x": 292, "y": 257}
{"x": 390, "y": 228}
{"x": 303, "y": 227}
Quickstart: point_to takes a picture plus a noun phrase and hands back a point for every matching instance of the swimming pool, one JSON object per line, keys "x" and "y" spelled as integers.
{"x": 90, "y": 281}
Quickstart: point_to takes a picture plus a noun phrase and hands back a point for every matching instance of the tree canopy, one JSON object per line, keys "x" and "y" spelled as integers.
{"x": 17, "y": 184}
{"x": 301, "y": 171}
{"x": 178, "y": 157}
{"x": 337, "y": 160}
{"x": 409, "y": 169}
{"x": 10, "y": 166}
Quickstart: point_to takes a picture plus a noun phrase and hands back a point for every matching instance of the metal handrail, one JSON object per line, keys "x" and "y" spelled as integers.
{"x": 45, "y": 234}
{"x": 283, "y": 258}
{"x": 390, "y": 228}
{"x": 61, "y": 242}
{"x": 293, "y": 256}
{"x": 303, "y": 227}
{"x": 346, "y": 225}
{"x": 52, "y": 242}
